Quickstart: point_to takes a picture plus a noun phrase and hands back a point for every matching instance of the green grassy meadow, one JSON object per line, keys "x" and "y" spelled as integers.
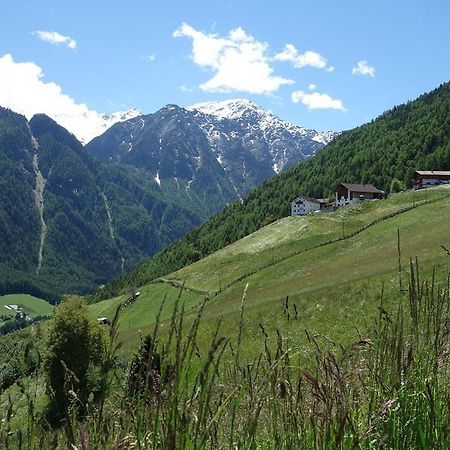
{"x": 32, "y": 306}
{"x": 138, "y": 318}
{"x": 297, "y": 335}
{"x": 290, "y": 235}
{"x": 335, "y": 286}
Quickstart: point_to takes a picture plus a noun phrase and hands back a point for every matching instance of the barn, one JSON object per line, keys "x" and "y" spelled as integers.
{"x": 424, "y": 178}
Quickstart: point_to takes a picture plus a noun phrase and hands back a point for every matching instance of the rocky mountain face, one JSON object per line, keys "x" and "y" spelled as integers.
{"x": 252, "y": 144}
{"x": 69, "y": 223}
{"x": 174, "y": 153}
{"x": 217, "y": 151}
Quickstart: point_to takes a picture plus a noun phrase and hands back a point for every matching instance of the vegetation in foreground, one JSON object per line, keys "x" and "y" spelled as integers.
{"x": 388, "y": 389}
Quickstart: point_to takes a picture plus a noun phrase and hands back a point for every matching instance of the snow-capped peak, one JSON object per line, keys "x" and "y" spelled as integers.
{"x": 227, "y": 109}
{"x": 121, "y": 116}
{"x": 244, "y": 121}
{"x": 242, "y": 109}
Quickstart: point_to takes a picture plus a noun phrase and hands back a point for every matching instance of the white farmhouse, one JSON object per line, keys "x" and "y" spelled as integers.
{"x": 303, "y": 205}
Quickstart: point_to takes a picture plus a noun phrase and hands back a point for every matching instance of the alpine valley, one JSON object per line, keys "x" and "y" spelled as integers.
{"x": 323, "y": 331}
{"x": 73, "y": 217}
{"x": 189, "y": 260}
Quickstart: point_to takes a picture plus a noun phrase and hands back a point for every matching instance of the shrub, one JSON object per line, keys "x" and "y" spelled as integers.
{"x": 397, "y": 186}
{"x": 145, "y": 372}
{"x": 76, "y": 351}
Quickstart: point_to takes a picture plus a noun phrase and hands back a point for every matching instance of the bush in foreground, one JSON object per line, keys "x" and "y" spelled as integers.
{"x": 76, "y": 350}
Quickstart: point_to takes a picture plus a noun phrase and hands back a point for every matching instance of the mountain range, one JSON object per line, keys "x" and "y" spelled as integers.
{"x": 69, "y": 223}
{"x": 74, "y": 217}
{"x": 409, "y": 137}
{"x": 229, "y": 147}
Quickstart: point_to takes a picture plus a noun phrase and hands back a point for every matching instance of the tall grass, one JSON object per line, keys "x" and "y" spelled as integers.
{"x": 388, "y": 389}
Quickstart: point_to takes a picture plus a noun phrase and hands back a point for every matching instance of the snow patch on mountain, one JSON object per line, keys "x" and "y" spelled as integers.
{"x": 227, "y": 109}
{"x": 240, "y": 122}
{"x": 324, "y": 137}
{"x": 240, "y": 108}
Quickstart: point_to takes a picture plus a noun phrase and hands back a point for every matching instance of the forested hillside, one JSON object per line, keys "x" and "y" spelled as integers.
{"x": 67, "y": 222}
{"x": 412, "y": 136}
{"x": 19, "y": 222}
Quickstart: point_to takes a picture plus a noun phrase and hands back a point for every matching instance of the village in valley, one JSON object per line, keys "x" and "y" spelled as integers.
{"x": 350, "y": 193}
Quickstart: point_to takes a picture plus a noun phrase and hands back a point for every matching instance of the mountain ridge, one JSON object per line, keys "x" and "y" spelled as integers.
{"x": 239, "y": 107}
{"x": 409, "y": 137}
{"x": 69, "y": 223}
{"x": 243, "y": 143}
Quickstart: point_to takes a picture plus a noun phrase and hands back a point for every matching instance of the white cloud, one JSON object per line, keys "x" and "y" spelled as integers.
{"x": 309, "y": 58}
{"x": 239, "y": 61}
{"x": 363, "y": 68}
{"x": 317, "y": 100}
{"x": 23, "y": 90}
{"x": 56, "y": 38}
{"x": 312, "y": 86}
{"x": 149, "y": 58}
{"x": 186, "y": 88}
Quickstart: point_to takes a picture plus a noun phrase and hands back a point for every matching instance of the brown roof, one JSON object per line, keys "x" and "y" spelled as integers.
{"x": 433, "y": 172}
{"x": 365, "y": 188}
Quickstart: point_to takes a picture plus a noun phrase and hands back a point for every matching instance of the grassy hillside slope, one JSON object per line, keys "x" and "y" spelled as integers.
{"x": 329, "y": 277}
{"x": 144, "y": 310}
{"x": 324, "y": 340}
{"x": 409, "y": 137}
{"x": 32, "y": 306}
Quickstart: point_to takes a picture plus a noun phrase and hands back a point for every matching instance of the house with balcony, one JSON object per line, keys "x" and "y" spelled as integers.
{"x": 348, "y": 193}
{"x": 425, "y": 178}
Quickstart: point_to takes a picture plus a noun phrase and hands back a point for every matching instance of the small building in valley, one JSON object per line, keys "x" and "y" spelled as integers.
{"x": 424, "y": 178}
{"x": 348, "y": 193}
{"x": 303, "y": 205}
{"x": 104, "y": 321}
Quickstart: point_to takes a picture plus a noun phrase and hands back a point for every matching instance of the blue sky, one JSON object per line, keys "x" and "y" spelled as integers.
{"x": 328, "y": 65}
